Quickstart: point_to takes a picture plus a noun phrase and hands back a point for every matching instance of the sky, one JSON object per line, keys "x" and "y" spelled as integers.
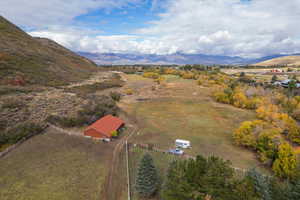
{"x": 246, "y": 28}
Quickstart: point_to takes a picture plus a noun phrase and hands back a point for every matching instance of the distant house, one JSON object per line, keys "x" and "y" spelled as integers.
{"x": 104, "y": 127}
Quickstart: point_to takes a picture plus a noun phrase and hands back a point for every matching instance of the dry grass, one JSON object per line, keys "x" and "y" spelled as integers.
{"x": 54, "y": 166}
{"x": 285, "y": 60}
{"x": 184, "y": 110}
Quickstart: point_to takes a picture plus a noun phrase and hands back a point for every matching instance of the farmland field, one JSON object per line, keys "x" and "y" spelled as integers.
{"x": 183, "y": 110}
{"x": 55, "y": 166}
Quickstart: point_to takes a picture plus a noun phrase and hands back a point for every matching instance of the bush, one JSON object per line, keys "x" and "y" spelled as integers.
{"x": 129, "y": 92}
{"x": 24, "y": 130}
{"x": 152, "y": 75}
{"x": 97, "y": 107}
{"x": 286, "y": 163}
{"x": 12, "y": 103}
{"x": 114, "y": 134}
{"x": 115, "y": 96}
{"x": 3, "y": 124}
{"x": 66, "y": 121}
{"x": 248, "y": 132}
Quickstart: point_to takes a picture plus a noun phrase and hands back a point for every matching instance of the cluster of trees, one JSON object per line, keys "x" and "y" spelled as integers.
{"x": 213, "y": 178}
{"x": 214, "y": 79}
{"x": 272, "y": 149}
{"x": 20, "y": 131}
{"x": 154, "y": 75}
{"x": 241, "y": 97}
{"x": 276, "y": 112}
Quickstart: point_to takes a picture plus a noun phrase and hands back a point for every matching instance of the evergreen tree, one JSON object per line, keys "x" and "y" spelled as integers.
{"x": 177, "y": 186}
{"x": 261, "y": 184}
{"x": 295, "y": 191}
{"x": 147, "y": 178}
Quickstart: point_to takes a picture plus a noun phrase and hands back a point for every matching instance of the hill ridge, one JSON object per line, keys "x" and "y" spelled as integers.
{"x": 38, "y": 60}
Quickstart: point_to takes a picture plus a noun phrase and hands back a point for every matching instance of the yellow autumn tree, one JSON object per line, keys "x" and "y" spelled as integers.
{"x": 248, "y": 132}
{"x": 239, "y": 99}
{"x": 267, "y": 143}
{"x": 221, "y": 97}
{"x": 289, "y": 126}
{"x": 152, "y": 75}
{"x": 268, "y": 112}
{"x": 286, "y": 163}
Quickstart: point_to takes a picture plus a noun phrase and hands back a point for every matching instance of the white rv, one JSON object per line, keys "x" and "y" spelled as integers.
{"x": 183, "y": 143}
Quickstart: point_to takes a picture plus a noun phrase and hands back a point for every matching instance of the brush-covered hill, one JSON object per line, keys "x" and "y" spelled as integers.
{"x": 38, "y": 61}
{"x": 285, "y": 60}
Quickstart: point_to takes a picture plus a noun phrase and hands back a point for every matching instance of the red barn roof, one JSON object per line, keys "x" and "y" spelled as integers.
{"x": 106, "y": 125}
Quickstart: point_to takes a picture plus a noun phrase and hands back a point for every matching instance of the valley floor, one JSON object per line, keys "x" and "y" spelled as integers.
{"x": 179, "y": 109}
{"x": 62, "y": 166}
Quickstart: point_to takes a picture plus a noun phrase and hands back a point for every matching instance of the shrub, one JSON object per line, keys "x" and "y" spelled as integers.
{"x": 3, "y": 124}
{"x": 97, "y": 107}
{"x": 24, "y": 130}
{"x": 152, "y": 75}
{"x": 129, "y": 91}
{"x": 188, "y": 75}
{"x": 248, "y": 132}
{"x": 286, "y": 163}
{"x": 267, "y": 143}
{"x": 115, "y": 96}
{"x": 222, "y": 97}
{"x": 114, "y": 134}
{"x": 12, "y": 103}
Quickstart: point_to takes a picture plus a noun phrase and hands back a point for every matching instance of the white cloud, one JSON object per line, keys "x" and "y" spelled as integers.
{"x": 43, "y": 13}
{"x": 230, "y": 27}
{"x": 225, "y": 27}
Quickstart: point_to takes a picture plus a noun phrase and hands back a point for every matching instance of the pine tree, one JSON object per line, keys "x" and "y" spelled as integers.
{"x": 147, "y": 178}
{"x": 261, "y": 184}
{"x": 176, "y": 186}
{"x": 295, "y": 191}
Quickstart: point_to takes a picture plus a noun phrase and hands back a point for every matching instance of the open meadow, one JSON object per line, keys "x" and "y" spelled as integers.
{"x": 180, "y": 109}
{"x": 55, "y": 166}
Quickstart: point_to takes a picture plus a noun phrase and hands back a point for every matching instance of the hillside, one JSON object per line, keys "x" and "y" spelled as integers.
{"x": 285, "y": 60}
{"x": 38, "y": 61}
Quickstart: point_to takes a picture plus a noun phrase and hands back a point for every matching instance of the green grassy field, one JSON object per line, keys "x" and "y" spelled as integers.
{"x": 55, "y": 166}
{"x": 181, "y": 115}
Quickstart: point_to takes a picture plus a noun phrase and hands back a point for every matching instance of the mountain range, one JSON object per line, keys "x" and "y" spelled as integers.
{"x": 177, "y": 58}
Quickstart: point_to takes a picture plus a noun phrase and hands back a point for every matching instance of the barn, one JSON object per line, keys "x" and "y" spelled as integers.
{"x": 104, "y": 127}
